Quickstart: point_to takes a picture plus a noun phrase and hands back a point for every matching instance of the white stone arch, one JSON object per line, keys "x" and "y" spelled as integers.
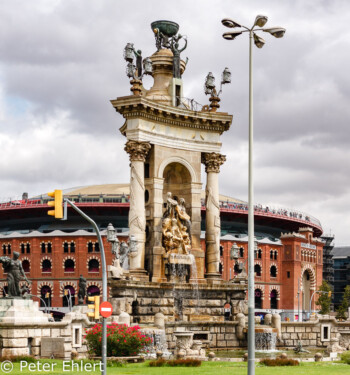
{"x": 177, "y": 159}
{"x": 91, "y": 258}
{"x": 277, "y": 289}
{"x": 30, "y": 264}
{"x": 273, "y": 264}
{"x": 69, "y": 257}
{"x": 262, "y": 288}
{"x": 44, "y": 283}
{"x": 46, "y": 257}
{"x": 309, "y": 268}
{"x": 258, "y": 263}
{"x": 63, "y": 284}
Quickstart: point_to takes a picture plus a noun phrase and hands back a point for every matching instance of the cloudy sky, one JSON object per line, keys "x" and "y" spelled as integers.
{"x": 62, "y": 61}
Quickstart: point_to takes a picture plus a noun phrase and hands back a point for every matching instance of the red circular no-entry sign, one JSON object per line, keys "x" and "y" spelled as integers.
{"x": 106, "y": 309}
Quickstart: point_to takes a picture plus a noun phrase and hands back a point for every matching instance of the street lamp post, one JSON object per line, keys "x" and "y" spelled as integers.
{"x": 277, "y": 32}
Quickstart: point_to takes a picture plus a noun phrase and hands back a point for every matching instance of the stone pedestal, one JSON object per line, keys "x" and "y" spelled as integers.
{"x": 21, "y": 311}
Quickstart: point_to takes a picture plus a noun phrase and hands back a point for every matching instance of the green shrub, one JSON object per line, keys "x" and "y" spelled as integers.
{"x": 345, "y": 357}
{"x": 279, "y": 362}
{"x": 176, "y": 362}
{"x": 122, "y": 341}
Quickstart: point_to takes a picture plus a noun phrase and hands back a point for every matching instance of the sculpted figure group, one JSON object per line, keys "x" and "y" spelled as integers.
{"x": 176, "y": 227}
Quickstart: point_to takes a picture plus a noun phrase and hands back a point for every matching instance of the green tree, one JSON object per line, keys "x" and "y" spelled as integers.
{"x": 324, "y": 299}
{"x": 345, "y": 303}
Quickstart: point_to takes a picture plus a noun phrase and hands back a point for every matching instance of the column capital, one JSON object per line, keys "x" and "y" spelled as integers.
{"x": 213, "y": 161}
{"x": 137, "y": 150}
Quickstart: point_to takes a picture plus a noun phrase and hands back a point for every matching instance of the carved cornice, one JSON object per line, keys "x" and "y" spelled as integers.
{"x": 213, "y": 161}
{"x": 131, "y": 107}
{"x": 137, "y": 150}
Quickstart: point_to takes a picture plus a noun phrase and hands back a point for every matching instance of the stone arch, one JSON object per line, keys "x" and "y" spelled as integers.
{"x": 277, "y": 289}
{"x": 309, "y": 268}
{"x": 45, "y": 258}
{"x": 69, "y": 257}
{"x": 25, "y": 260}
{"x": 271, "y": 270}
{"x": 179, "y": 160}
{"x": 89, "y": 262}
{"x": 41, "y": 284}
{"x": 70, "y": 283}
{"x": 262, "y": 288}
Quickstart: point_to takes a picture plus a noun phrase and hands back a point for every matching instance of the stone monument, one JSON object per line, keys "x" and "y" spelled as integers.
{"x": 167, "y": 140}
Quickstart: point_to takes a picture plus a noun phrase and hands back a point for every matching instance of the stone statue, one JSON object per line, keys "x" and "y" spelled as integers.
{"x": 176, "y": 52}
{"x": 176, "y": 227}
{"x": 15, "y": 273}
{"x": 124, "y": 255}
{"x": 184, "y": 217}
{"x": 82, "y": 290}
{"x": 299, "y": 348}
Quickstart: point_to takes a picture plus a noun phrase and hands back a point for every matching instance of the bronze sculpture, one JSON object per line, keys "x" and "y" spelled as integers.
{"x": 15, "y": 273}
{"x": 82, "y": 290}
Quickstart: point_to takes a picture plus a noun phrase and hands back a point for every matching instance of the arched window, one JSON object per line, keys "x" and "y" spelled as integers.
{"x": 273, "y": 271}
{"x": 273, "y": 299}
{"x": 97, "y": 247}
{"x": 45, "y": 292}
{"x": 68, "y": 295}
{"x": 69, "y": 265}
{"x": 9, "y": 249}
{"x": 49, "y": 248}
{"x": 221, "y": 250}
{"x": 94, "y": 265}
{"x": 22, "y": 248}
{"x": 241, "y": 252}
{"x": 257, "y": 270}
{"x": 271, "y": 254}
{"x": 28, "y": 248}
{"x": 72, "y": 247}
{"x": 26, "y": 265}
{"x": 93, "y": 290}
{"x": 258, "y": 299}
{"x": 90, "y": 247}
{"x": 4, "y": 249}
{"x": 43, "y": 248}
{"x": 65, "y": 247}
{"x": 259, "y": 253}
{"x": 47, "y": 265}
{"x": 275, "y": 255}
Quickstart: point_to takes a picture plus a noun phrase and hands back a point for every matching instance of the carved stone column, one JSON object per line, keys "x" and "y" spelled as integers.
{"x": 212, "y": 164}
{"x": 137, "y": 215}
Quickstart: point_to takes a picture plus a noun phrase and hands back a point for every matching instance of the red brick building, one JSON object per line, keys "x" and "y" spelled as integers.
{"x": 55, "y": 253}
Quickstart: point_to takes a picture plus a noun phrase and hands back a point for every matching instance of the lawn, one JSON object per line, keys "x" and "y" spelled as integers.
{"x": 207, "y": 368}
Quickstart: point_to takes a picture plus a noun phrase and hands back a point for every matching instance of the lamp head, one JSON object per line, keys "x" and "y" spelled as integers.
{"x": 130, "y": 70}
{"x": 228, "y": 22}
{"x": 260, "y": 21}
{"x": 231, "y": 35}
{"x": 226, "y": 76}
{"x": 258, "y": 41}
{"x": 277, "y": 32}
{"x": 209, "y": 84}
{"x": 129, "y": 52}
{"x": 147, "y": 66}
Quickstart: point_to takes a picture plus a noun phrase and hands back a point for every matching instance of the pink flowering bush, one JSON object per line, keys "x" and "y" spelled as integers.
{"x": 122, "y": 340}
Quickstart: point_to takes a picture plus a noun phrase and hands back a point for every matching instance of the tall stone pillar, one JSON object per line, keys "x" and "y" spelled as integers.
{"x": 212, "y": 162}
{"x": 137, "y": 214}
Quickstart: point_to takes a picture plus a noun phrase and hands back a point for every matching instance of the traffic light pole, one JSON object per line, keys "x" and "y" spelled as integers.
{"x": 104, "y": 277}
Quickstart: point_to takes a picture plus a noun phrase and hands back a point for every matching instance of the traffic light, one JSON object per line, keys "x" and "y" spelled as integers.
{"x": 94, "y": 306}
{"x": 57, "y": 212}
